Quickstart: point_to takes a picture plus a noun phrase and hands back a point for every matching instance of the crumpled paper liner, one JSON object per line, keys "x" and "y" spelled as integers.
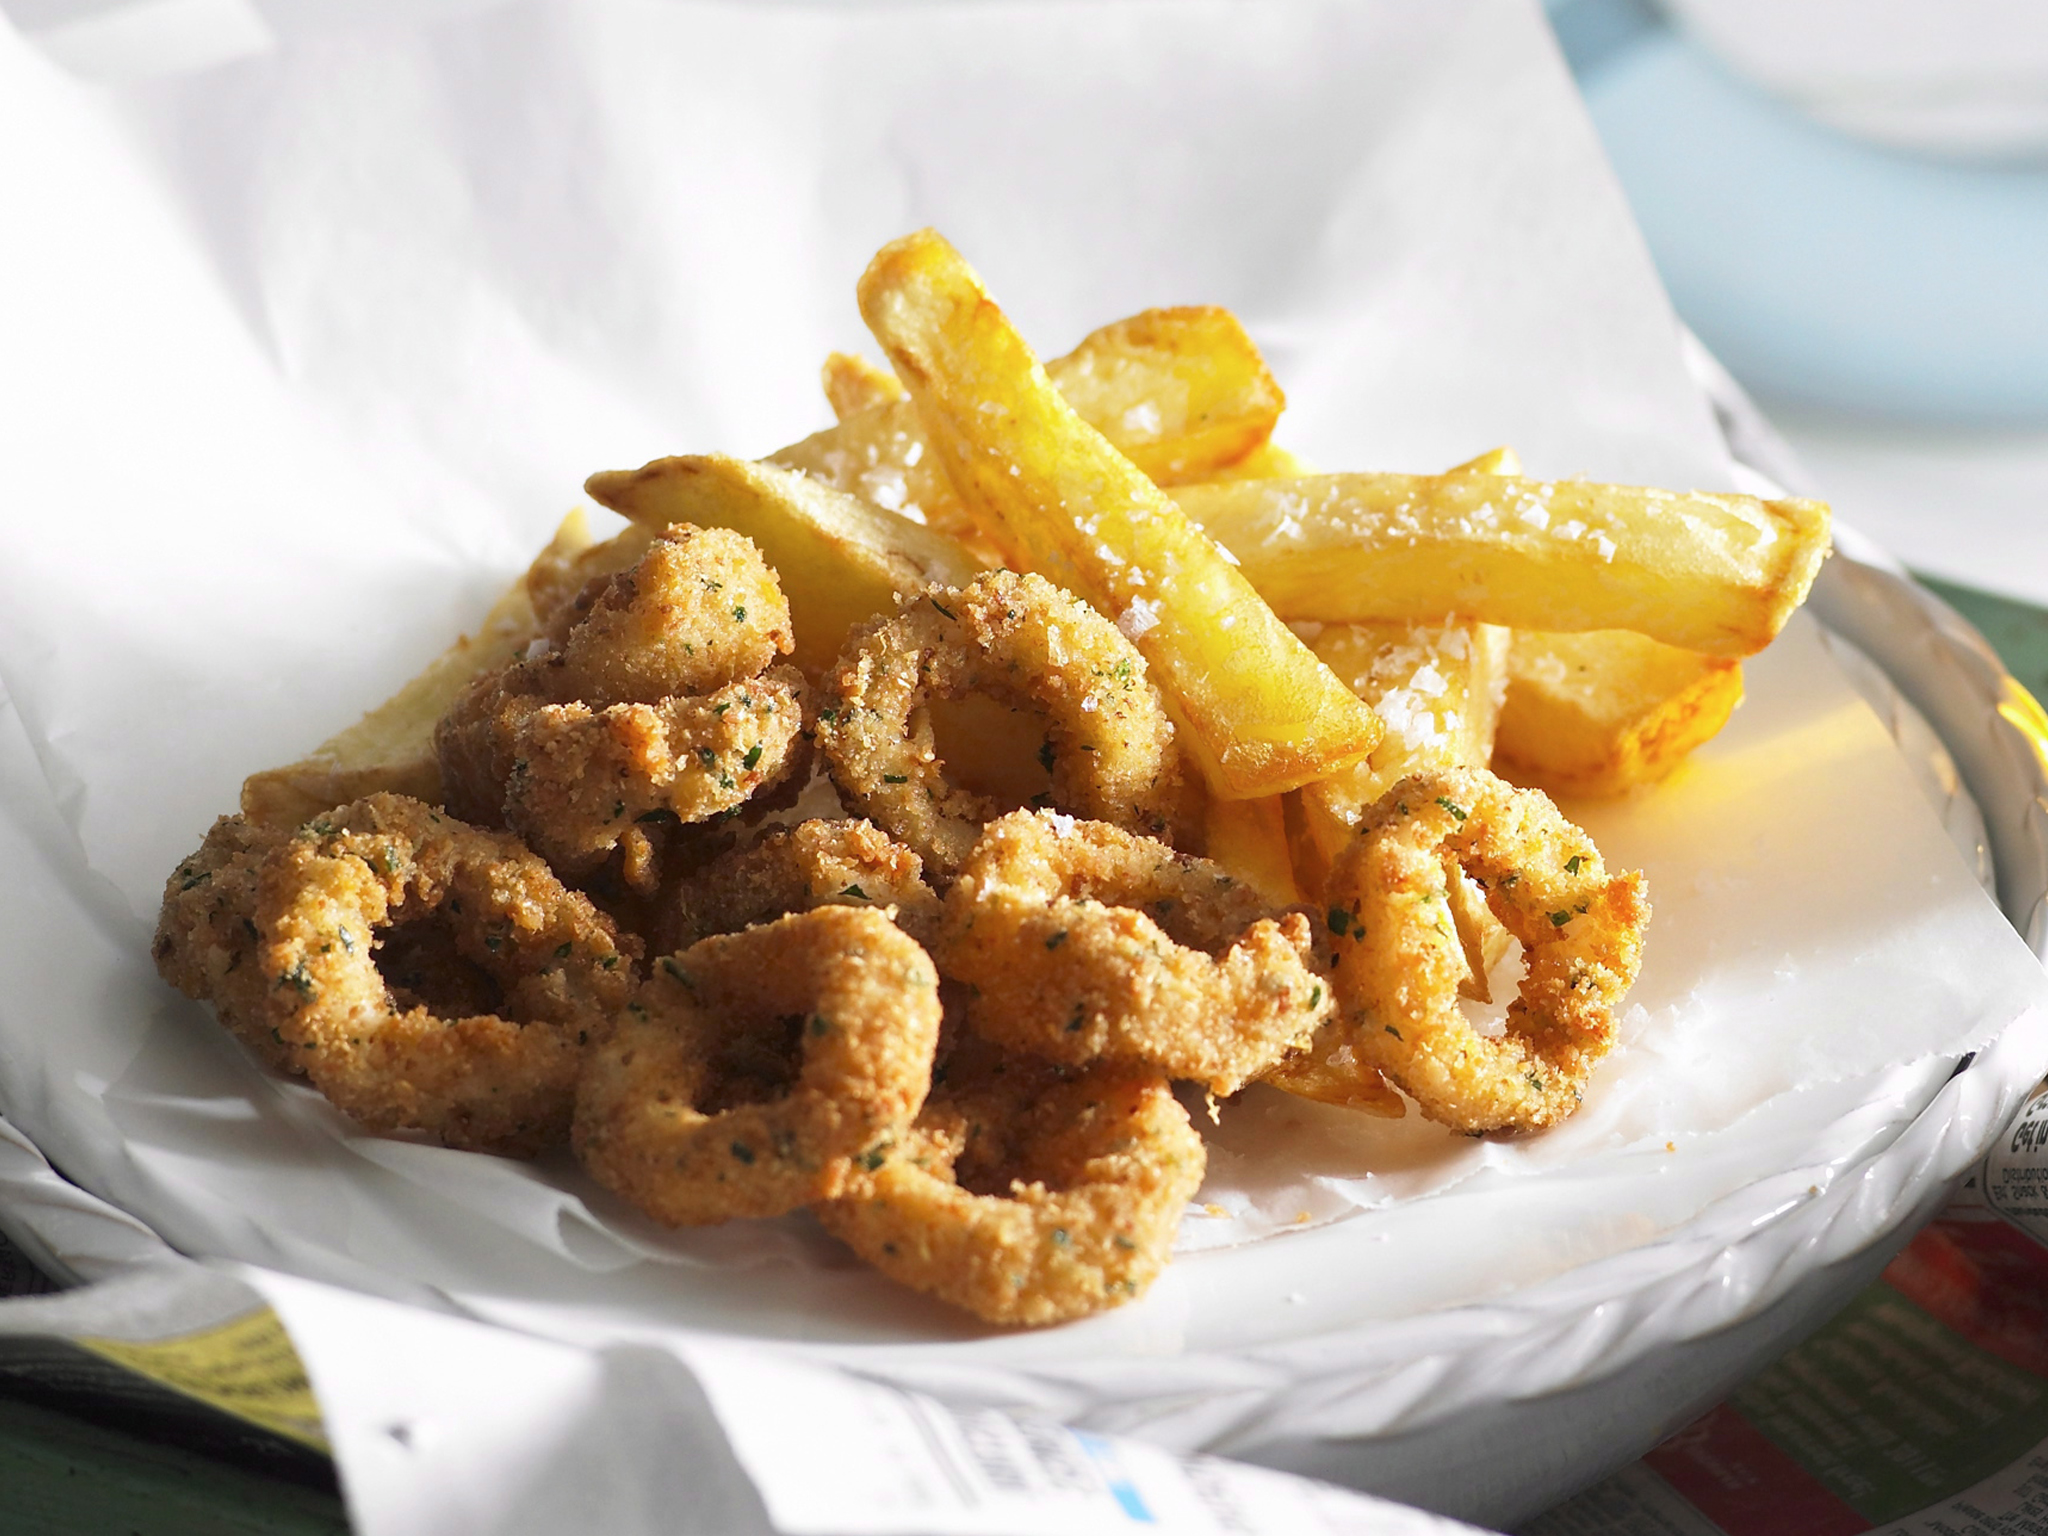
{"x": 329, "y": 335}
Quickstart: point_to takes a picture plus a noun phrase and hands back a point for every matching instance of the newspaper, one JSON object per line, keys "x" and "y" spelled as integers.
{"x": 1920, "y": 1410}
{"x": 168, "y": 1353}
{"x": 181, "y": 1352}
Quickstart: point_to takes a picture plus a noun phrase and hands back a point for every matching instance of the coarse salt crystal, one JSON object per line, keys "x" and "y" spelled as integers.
{"x": 1410, "y": 719}
{"x": 912, "y": 455}
{"x": 885, "y": 489}
{"x": 1535, "y": 517}
{"x": 1289, "y": 526}
{"x": 1088, "y": 704}
{"x": 1062, "y": 824}
{"x": 1604, "y": 545}
{"x": 538, "y": 647}
{"x": 1142, "y": 417}
{"x": 1139, "y": 618}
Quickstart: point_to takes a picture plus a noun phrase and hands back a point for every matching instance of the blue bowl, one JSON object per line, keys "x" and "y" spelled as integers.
{"x": 1821, "y": 269}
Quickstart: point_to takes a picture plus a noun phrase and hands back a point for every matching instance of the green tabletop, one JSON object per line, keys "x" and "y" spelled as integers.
{"x": 63, "y": 1476}
{"x": 2017, "y": 631}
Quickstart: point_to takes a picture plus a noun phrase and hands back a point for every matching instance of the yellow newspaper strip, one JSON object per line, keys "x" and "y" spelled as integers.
{"x": 246, "y": 1367}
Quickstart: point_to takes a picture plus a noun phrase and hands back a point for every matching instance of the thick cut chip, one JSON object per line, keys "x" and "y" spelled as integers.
{"x": 392, "y": 747}
{"x": 853, "y": 384}
{"x": 1495, "y": 461}
{"x": 1718, "y": 574}
{"x": 1182, "y": 392}
{"x": 1599, "y": 713}
{"x": 1249, "y": 838}
{"x": 841, "y": 561}
{"x": 1268, "y": 461}
{"x": 1257, "y": 712}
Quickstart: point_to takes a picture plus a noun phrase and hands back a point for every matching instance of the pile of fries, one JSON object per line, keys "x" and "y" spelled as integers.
{"x": 1316, "y": 637}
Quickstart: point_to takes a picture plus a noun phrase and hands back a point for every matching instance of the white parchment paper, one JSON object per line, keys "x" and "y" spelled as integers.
{"x": 308, "y": 350}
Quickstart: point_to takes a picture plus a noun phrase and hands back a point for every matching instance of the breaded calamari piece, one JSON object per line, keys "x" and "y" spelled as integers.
{"x": 752, "y": 1071}
{"x": 655, "y": 701}
{"x": 206, "y": 938}
{"x": 1020, "y": 639}
{"x": 478, "y": 1038}
{"x": 1084, "y": 941}
{"x": 795, "y": 869}
{"x": 1400, "y": 961}
{"x": 1028, "y": 1195}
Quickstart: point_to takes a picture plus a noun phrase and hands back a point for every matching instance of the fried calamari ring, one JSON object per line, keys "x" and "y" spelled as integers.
{"x": 700, "y": 609}
{"x": 753, "y": 1070}
{"x": 206, "y": 937}
{"x": 1027, "y": 1195}
{"x": 1085, "y": 941}
{"x": 1110, "y": 746}
{"x": 795, "y": 869}
{"x": 1399, "y": 960}
{"x": 477, "y": 1034}
{"x": 658, "y": 702}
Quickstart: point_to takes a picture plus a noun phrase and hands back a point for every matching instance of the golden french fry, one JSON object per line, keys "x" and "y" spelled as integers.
{"x": 840, "y": 560}
{"x": 1598, "y": 713}
{"x": 1260, "y": 839}
{"x": 1268, "y": 461}
{"x": 1482, "y": 936}
{"x": 1257, "y": 712}
{"x": 1249, "y": 838}
{"x": 1183, "y": 392}
{"x": 1495, "y": 461}
{"x": 1709, "y": 573}
{"x": 392, "y": 747}
{"x": 853, "y": 384}
{"x": 1180, "y": 392}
